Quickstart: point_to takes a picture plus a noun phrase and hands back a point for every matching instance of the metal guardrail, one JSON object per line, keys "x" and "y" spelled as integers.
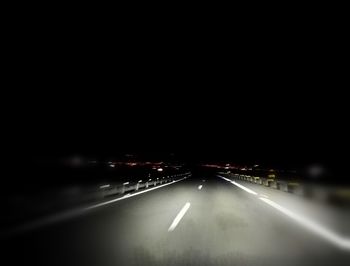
{"x": 129, "y": 186}
{"x": 338, "y": 195}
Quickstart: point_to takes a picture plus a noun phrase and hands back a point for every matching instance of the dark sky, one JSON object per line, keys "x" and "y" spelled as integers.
{"x": 249, "y": 97}
{"x": 272, "y": 104}
{"x": 284, "y": 130}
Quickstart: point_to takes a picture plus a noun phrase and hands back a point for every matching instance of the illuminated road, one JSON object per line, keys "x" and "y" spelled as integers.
{"x": 191, "y": 222}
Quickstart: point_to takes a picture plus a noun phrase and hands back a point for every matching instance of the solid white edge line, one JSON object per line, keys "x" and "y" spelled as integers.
{"x": 239, "y": 185}
{"x": 130, "y": 195}
{"x": 327, "y": 234}
{"x": 311, "y": 225}
{"x": 179, "y": 216}
{"x": 200, "y": 187}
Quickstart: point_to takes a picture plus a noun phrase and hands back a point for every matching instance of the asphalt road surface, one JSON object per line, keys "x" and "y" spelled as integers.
{"x": 198, "y": 221}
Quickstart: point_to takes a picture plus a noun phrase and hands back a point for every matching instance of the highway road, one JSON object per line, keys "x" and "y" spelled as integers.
{"x": 203, "y": 220}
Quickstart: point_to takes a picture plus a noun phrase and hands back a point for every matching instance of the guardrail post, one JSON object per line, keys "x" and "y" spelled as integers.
{"x": 123, "y": 189}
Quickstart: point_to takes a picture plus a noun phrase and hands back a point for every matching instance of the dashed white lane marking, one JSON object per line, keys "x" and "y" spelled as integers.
{"x": 179, "y": 216}
{"x": 200, "y": 187}
{"x": 264, "y": 196}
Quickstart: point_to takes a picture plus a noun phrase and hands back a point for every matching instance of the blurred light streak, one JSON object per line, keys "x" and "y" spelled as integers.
{"x": 312, "y": 226}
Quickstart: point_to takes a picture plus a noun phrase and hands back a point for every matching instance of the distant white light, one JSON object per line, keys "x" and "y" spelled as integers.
{"x": 105, "y": 186}
{"x": 149, "y": 179}
{"x": 76, "y": 161}
{"x": 140, "y": 181}
{"x": 126, "y": 183}
{"x": 160, "y": 169}
{"x": 112, "y": 165}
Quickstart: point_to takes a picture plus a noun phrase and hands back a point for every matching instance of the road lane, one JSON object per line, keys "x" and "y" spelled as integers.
{"x": 228, "y": 226}
{"x": 224, "y": 226}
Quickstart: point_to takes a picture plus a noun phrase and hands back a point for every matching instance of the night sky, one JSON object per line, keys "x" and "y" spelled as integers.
{"x": 285, "y": 111}
{"x": 278, "y": 131}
